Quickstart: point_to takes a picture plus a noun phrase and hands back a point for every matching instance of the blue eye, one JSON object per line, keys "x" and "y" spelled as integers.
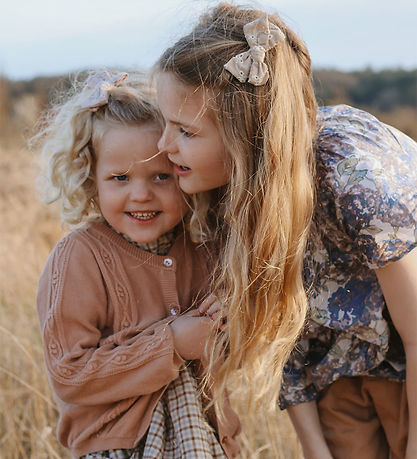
{"x": 162, "y": 177}
{"x": 120, "y": 178}
{"x": 186, "y": 133}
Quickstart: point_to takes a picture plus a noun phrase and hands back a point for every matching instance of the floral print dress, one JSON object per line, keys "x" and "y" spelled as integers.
{"x": 365, "y": 217}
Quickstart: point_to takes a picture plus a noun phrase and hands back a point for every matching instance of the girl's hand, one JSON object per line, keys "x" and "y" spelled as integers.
{"x": 213, "y": 309}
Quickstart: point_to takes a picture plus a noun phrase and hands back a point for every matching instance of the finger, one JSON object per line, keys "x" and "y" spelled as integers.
{"x": 205, "y": 305}
{"x": 215, "y": 307}
{"x": 214, "y": 316}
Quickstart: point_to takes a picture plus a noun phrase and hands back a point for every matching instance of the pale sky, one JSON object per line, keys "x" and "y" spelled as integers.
{"x": 49, "y": 37}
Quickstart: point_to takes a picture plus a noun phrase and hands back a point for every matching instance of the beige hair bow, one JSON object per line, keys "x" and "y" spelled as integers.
{"x": 249, "y": 66}
{"x": 101, "y": 83}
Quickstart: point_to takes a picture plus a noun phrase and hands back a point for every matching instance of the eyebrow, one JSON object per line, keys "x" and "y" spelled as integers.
{"x": 178, "y": 123}
{"x": 192, "y": 127}
{"x": 122, "y": 173}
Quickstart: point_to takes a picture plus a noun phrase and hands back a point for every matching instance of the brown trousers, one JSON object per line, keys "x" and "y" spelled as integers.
{"x": 365, "y": 418}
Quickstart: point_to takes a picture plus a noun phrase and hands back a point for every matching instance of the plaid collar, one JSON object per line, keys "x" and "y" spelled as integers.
{"x": 159, "y": 247}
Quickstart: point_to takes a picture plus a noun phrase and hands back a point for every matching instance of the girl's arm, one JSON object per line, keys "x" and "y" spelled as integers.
{"x": 305, "y": 420}
{"x": 398, "y": 281}
{"x": 86, "y": 368}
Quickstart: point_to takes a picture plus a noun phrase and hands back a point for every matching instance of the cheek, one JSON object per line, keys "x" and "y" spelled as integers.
{"x": 177, "y": 204}
{"x": 213, "y": 153}
{"x": 106, "y": 197}
{"x": 220, "y": 165}
{"x": 171, "y": 198}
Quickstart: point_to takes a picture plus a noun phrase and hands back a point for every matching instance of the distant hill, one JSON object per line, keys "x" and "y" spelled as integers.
{"x": 391, "y": 95}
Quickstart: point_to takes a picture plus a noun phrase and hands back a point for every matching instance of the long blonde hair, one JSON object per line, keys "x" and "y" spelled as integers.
{"x": 261, "y": 219}
{"x": 68, "y": 134}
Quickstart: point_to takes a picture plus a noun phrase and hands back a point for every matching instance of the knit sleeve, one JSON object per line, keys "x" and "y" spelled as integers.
{"x": 85, "y": 365}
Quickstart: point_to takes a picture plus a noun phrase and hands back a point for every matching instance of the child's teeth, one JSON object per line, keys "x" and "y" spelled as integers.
{"x": 184, "y": 168}
{"x": 143, "y": 215}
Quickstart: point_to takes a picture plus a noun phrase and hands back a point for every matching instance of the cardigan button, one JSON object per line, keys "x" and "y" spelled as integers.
{"x": 174, "y": 309}
{"x": 168, "y": 262}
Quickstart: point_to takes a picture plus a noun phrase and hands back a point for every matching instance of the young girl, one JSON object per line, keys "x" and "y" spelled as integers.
{"x": 112, "y": 293}
{"x": 311, "y": 209}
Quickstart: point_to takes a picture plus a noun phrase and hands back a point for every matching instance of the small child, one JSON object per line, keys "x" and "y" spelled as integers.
{"x": 111, "y": 294}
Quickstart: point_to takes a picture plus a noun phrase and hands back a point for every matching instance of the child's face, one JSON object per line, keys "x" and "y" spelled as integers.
{"x": 140, "y": 199}
{"x": 191, "y": 138}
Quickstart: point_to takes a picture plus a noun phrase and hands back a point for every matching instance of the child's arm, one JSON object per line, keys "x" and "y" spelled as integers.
{"x": 86, "y": 368}
{"x": 305, "y": 420}
{"x": 398, "y": 281}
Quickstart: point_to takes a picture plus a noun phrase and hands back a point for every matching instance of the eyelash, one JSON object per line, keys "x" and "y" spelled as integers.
{"x": 119, "y": 177}
{"x": 186, "y": 133}
{"x": 167, "y": 176}
{"x": 124, "y": 177}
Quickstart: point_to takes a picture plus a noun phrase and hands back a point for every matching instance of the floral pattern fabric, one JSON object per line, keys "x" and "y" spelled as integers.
{"x": 366, "y": 217}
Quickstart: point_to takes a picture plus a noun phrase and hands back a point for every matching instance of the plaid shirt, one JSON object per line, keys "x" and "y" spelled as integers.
{"x": 178, "y": 429}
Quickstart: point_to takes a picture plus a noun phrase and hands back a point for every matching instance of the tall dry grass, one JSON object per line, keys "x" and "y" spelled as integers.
{"x": 28, "y": 414}
{"x": 27, "y": 233}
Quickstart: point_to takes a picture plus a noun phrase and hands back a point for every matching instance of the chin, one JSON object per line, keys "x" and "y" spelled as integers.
{"x": 187, "y": 187}
{"x": 192, "y": 188}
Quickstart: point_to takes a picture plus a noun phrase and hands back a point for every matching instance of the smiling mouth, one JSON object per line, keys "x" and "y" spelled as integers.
{"x": 184, "y": 168}
{"x": 144, "y": 215}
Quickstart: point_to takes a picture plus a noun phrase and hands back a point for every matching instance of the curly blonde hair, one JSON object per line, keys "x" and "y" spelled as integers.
{"x": 261, "y": 219}
{"x": 69, "y": 132}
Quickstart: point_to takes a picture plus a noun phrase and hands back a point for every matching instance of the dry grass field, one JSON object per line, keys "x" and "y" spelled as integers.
{"x": 29, "y": 230}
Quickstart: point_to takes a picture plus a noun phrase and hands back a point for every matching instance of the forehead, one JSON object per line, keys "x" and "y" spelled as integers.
{"x": 115, "y": 131}
{"x": 178, "y": 100}
{"x": 121, "y": 145}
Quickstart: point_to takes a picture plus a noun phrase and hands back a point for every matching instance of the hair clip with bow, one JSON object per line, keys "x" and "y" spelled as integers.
{"x": 249, "y": 66}
{"x": 101, "y": 83}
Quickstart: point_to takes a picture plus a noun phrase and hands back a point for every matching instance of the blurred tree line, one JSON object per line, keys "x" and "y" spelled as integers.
{"x": 391, "y": 95}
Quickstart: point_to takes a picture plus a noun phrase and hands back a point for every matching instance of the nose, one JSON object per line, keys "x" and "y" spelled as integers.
{"x": 167, "y": 141}
{"x": 141, "y": 191}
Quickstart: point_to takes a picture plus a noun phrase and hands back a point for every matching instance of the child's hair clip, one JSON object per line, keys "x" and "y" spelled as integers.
{"x": 101, "y": 83}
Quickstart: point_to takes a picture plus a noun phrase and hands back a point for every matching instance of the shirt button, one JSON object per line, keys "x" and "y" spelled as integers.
{"x": 168, "y": 262}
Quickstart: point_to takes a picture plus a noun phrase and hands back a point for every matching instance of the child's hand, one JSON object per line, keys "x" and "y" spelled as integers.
{"x": 213, "y": 309}
{"x": 191, "y": 335}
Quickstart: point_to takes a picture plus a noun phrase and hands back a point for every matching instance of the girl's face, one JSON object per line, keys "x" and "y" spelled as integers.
{"x": 191, "y": 137}
{"x": 137, "y": 196}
